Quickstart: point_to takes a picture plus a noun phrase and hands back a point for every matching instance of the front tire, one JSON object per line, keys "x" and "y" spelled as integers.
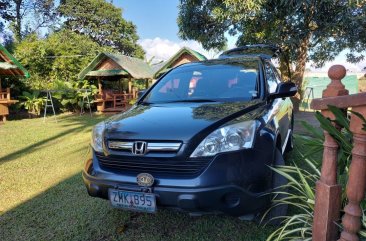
{"x": 276, "y": 211}
{"x": 290, "y": 142}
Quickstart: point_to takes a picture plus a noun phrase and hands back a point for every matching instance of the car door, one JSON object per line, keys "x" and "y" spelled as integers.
{"x": 280, "y": 105}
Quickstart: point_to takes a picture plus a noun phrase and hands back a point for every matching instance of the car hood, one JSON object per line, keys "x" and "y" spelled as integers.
{"x": 174, "y": 121}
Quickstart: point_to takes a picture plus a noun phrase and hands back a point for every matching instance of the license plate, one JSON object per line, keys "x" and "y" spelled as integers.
{"x": 137, "y": 201}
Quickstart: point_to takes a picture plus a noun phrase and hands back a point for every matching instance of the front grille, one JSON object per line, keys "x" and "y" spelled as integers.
{"x": 165, "y": 166}
{"x": 128, "y": 146}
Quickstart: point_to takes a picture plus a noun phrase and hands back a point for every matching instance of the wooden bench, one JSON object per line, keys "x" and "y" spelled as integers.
{"x": 121, "y": 100}
{"x": 102, "y": 99}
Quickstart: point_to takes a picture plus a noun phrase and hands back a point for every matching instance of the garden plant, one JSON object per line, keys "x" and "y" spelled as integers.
{"x": 303, "y": 172}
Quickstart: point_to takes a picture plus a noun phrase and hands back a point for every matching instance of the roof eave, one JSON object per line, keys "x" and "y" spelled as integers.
{"x": 19, "y": 65}
{"x": 200, "y": 57}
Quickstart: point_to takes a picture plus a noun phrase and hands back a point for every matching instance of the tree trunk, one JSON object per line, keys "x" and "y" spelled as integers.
{"x": 18, "y": 21}
{"x": 285, "y": 67}
{"x": 298, "y": 76}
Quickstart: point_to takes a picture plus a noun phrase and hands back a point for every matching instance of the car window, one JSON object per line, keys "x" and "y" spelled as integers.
{"x": 218, "y": 82}
{"x": 277, "y": 74}
{"x": 170, "y": 86}
{"x": 271, "y": 78}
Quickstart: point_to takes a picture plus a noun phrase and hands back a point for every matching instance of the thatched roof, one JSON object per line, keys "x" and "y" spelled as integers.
{"x": 9, "y": 66}
{"x": 167, "y": 65}
{"x": 124, "y": 66}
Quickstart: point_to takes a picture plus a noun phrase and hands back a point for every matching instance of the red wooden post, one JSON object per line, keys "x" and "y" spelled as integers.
{"x": 328, "y": 192}
{"x": 327, "y": 196}
{"x": 357, "y": 178}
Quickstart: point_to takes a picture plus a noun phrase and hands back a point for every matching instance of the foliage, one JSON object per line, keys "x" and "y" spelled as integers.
{"x": 73, "y": 95}
{"x": 305, "y": 30}
{"x": 301, "y": 196}
{"x": 28, "y": 16}
{"x": 339, "y": 129}
{"x": 343, "y": 135}
{"x": 60, "y": 56}
{"x": 32, "y": 102}
{"x": 302, "y": 180}
{"x": 140, "y": 84}
{"x": 102, "y": 22}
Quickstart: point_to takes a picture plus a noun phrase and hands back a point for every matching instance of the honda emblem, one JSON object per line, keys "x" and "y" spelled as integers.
{"x": 139, "y": 148}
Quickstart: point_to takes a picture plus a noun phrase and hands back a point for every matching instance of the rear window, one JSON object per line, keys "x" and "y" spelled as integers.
{"x": 207, "y": 81}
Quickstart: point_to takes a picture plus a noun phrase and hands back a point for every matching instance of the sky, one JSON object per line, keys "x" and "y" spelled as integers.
{"x": 156, "y": 22}
{"x": 157, "y": 27}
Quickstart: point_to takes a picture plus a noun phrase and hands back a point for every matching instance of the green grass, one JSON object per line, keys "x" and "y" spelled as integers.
{"x": 42, "y": 196}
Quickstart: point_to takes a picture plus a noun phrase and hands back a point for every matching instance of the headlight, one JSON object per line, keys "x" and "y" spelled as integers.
{"x": 229, "y": 138}
{"x": 97, "y": 137}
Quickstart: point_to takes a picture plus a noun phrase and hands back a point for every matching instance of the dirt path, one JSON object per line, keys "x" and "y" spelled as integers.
{"x": 307, "y": 117}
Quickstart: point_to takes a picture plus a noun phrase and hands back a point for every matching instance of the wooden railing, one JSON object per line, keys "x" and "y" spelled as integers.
{"x": 328, "y": 191}
{"x": 5, "y": 95}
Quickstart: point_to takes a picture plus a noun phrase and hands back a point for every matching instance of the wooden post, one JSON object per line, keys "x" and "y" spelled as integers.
{"x": 357, "y": 179}
{"x": 328, "y": 192}
{"x": 8, "y": 93}
{"x": 134, "y": 92}
{"x": 100, "y": 90}
{"x": 129, "y": 85}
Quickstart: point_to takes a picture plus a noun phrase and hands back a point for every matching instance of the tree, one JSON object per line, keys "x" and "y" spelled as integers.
{"x": 3, "y": 5}
{"x": 27, "y": 16}
{"x": 102, "y": 22}
{"x": 314, "y": 30}
{"x": 60, "y": 56}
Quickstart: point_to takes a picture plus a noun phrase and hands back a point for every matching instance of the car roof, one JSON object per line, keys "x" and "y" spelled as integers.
{"x": 265, "y": 51}
{"x": 236, "y": 59}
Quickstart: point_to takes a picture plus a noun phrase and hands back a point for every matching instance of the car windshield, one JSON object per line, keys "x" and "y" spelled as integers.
{"x": 208, "y": 82}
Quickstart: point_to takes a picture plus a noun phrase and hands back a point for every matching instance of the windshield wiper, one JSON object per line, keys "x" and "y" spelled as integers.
{"x": 192, "y": 100}
{"x": 146, "y": 103}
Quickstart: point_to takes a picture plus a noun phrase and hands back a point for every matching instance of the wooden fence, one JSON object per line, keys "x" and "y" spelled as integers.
{"x": 328, "y": 191}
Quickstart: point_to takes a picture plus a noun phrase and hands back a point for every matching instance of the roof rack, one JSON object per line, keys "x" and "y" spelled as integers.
{"x": 267, "y": 51}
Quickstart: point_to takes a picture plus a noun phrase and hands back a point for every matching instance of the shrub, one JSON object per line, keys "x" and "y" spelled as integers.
{"x": 32, "y": 102}
{"x": 72, "y": 95}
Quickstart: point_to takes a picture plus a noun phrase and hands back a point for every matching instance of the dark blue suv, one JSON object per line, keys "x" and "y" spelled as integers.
{"x": 201, "y": 139}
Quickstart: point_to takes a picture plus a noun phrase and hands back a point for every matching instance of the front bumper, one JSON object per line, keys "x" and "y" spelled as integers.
{"x": 229, "y": 199}
{"x": 234, "y": 183}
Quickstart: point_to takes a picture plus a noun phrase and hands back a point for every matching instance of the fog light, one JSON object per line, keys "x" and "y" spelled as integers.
{"x": 232, "y": 199}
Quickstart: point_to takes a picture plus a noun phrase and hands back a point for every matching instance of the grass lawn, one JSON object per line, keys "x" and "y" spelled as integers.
{"x": 42, "y": 196}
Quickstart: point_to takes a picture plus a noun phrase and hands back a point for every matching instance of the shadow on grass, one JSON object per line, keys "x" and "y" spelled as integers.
{"x": 31, "y": 148}
{"x": 81, "y": 123}
{"x": 66, "y": 212}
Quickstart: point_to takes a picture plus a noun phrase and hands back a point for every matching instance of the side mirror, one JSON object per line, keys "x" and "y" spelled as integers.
{"x": 284, "y": 89}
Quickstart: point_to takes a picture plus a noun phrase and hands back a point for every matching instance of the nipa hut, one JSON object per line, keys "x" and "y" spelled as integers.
{"x": 115, "y": 74}
{"x": 9, "y": 68}
{"x": 184, "y": 55}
